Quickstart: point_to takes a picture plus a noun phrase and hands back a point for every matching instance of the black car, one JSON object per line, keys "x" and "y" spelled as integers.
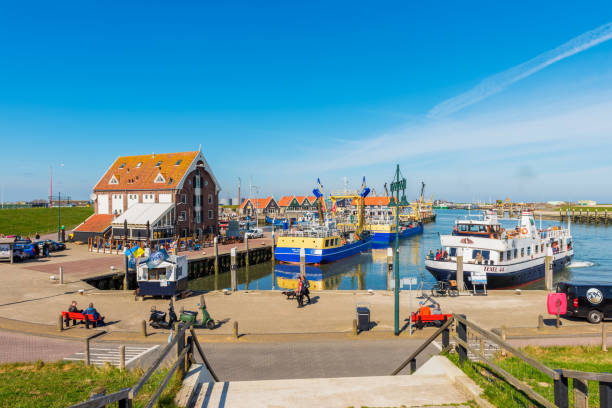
{"x": 53, "y": 245}
{"x": 590, "y": 300}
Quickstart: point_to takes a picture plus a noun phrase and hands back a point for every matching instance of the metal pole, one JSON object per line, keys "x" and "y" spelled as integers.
{"x": 61, "y": 273}
{"x": 396, "y": 261}
{"x": 302, "y": 262}
{"x": 233, "y": 269}
{"x": 59, "y": 205}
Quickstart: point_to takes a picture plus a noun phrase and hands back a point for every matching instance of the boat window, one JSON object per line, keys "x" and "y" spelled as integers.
{"x": 336, "y": 242}
{"x": 536, "y": 248}
{"x": 522, "y": 252}
{"x": 501, "y": 256}
{"x": 453, "y": 252}
{"x": 485, "y": 254}
{"x": 157, "y": 274}
{"x": 509, "y": 255}
{"x": 528, "y": 250}
{"x": 542, "y": 248}
{"x": 326, "y": 243}
{"x": 516, "y": 253}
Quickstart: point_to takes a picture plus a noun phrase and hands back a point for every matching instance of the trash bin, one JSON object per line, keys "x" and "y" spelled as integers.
{"x": 363, "y": 317}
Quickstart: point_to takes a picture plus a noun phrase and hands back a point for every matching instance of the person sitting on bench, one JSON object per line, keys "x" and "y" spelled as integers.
{"x": 91, "y": 310}
{"x": 73, "y": 308}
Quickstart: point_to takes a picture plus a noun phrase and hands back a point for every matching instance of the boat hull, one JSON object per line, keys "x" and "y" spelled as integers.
{"x": 522, "y": 274}
{"x": 319, "y": 256}
{"x": 387, "y": 237}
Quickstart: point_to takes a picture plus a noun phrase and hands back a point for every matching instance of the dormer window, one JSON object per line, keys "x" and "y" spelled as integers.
{"x": 160, "y": 179}
{"x": 122, "y": 166}
{"x": 178, "y": 162}
{"x": 138, "y": 165}
{"x": 113, "y": 180}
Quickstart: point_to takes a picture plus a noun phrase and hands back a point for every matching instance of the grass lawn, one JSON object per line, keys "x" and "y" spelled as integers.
{"x": 501, "y": 394}
{"x": 29, "y": 221}
{"x": 585, "y": 209}
{"x": 64, "y": 383}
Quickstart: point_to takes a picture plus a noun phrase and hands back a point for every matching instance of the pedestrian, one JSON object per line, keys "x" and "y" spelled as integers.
{"x": 437, "y": 255}
{"x": 37, "y": 236}
{"x": 305, "y": 286}
{"x": 299, "y": 294}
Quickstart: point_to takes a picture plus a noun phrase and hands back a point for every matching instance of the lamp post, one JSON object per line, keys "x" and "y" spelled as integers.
{"x": 397, "y": 185}
{"x": 59, "y": 216}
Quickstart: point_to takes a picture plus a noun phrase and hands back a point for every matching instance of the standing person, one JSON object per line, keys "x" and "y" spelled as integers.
{"x": 37, "y": 236}
{"x": 299, "y": 293}
{"x": 305, "y": 286}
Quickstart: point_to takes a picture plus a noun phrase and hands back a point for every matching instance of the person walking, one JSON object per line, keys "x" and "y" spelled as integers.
{"x": 305, "y": 287}
{"x": 299, "y": 293}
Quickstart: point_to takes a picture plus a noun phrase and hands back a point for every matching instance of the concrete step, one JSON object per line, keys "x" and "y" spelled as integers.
{"x": 437, "y": 382}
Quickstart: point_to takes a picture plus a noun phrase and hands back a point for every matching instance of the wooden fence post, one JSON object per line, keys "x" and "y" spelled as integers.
{"x": 87, "y": 358}
{"x": 122, "y": 357}
{"x": 446, "y": 338}
{"x": 540, "y": 322}
{"x": 561, "y": 391}
{"x": 180, "y": 346}
{"x": 605, "y": 394}
{"x": 462, "y": 333}
{"x": 581, "y": 393}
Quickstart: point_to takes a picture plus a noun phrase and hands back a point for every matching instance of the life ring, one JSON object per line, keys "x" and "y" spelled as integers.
{"x": 524, "y": 231}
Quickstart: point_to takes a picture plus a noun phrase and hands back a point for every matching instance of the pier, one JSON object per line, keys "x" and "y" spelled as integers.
{"x": 578, "y": 215}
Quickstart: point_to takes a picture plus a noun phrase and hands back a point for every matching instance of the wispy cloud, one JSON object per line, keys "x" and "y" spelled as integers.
{"x": 502, "y": 80}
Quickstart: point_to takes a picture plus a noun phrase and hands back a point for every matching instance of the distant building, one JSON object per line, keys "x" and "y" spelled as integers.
{"x": 157, "y": 196}
{"x": 252, "y": 206}
{"x": 296, "y": 205}
{"x": 587, "y": 202}
{"x": 556, "y": 202}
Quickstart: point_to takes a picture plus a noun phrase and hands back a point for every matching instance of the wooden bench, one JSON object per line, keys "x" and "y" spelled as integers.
{"x": 87, "y": 318}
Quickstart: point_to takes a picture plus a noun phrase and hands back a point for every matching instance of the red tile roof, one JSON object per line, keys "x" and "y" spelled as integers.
{"x": 130, "y": 175}
{"x": 285, "y": 201}
{"x": 96, "y": 223}
{"x": 259, "y": 203}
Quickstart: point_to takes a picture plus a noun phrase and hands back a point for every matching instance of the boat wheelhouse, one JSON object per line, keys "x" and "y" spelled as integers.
{"x": 161, "y": 274}
{"x": 508, "y": 257}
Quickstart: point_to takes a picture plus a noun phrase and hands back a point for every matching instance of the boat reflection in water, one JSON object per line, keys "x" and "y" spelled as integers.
{"x": 321, "y": 277}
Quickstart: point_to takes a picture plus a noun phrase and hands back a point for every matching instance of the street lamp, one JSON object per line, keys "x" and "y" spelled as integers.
{"x": 397, "y": 185}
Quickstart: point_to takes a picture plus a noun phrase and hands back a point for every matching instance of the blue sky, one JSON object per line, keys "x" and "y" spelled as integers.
{"x": 283, "y": 93}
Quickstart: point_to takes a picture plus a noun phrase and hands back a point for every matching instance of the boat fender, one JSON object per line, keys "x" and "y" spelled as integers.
{"x": 524, "y": 231}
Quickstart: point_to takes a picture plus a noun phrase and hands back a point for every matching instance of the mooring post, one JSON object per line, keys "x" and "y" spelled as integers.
{"x": 61, "y": 274}
{"x": 548, "y": 270}
{"x": 246, "y": 256}
{"x": 460, "y": 284}
{"x": 60, "y": 323}
{"x": 233, "y": 269}
{"x": 122, "y": 357}
{"x": 540, "y": 322}
{"x": 216, "y": 243}
{"x": 355, "y": 332}
{"x": 235, "y": 329}
{"x": 273, "y": 246}
{"x": 302, "y": 262}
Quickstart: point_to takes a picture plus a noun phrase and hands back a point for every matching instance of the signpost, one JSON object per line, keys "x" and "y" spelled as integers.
{"x": 397, "y": 185}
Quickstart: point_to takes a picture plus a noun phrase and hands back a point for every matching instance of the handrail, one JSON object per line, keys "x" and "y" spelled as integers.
{"x": 507, "y": 376}
{"x": 136, "y": 388}
{"x": 423, "y": 346}
{"x": 586, "y": 375}
{"x": 492, "y": 336}
{"x": 160, "y": 389}
{"x": 104, "y": 400}
{"x": 204, "y": 359}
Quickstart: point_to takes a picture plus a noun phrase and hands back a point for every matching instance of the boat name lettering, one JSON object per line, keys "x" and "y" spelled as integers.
{"x": 492, "y": 269}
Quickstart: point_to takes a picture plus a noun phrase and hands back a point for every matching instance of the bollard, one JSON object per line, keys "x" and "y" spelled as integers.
{"x": 233, "y": 269}
{"x": 355, "y": 332}
{"x": 60, "y": 323}
{"x": 557, "y": 322}
{"x": 460, "y": 284}
{"x": 61, "y": 274}
{"x": 122, "y": 358}
{"x": 87, "y": 358}
{"x": 235, "y": 329}
{"x": 604, "y": 342}
{"x": 143, "y": 328}
{"x": 246, "y": 256}
{"x": 540, "y": 322}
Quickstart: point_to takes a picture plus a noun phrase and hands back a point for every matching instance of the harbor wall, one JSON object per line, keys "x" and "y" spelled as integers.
{"x": 205, "y": 266}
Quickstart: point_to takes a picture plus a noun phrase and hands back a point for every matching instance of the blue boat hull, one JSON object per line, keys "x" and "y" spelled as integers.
{"x": 319, "y": 256}
{"x": 385, "y": 237}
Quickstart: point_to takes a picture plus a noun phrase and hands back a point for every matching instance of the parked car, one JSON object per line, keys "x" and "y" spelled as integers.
{"x": 254, "y": 233}
{"x": 53, "y": 245}
{"x": 28, "y": 250}
{"x": 19, "y": 255}
{"x": 592, "y": 301}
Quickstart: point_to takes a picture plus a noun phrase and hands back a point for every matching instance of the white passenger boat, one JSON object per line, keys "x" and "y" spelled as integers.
{"x": 509, "y": 257}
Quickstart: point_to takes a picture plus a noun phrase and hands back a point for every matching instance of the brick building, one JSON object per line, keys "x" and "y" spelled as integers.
{"x": 156, "y": 196}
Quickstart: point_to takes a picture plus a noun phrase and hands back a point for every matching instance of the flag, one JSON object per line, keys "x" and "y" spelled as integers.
{"x": 138, "y": 252}
{"x": 157, "y": 258}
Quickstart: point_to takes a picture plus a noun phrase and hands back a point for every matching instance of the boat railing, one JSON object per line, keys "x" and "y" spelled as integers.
{"x": 560, "y": 233}
{"x": 309, "y": 234}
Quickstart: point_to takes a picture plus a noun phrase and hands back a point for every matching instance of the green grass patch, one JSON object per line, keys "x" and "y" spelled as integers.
{"x": 64, "y": 383}
{"x": 502, "y": 394}
{"x": 584, "y": 209}
{"x": 29, "y": 221}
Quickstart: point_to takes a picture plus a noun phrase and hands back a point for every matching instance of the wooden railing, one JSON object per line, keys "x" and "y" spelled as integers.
{"x": 444, "y": 330}
{"x": 184, "y": 350}
{"x": 467, "y": 331}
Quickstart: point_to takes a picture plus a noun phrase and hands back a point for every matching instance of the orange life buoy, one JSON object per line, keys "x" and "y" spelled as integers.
{"x": 524, "y": 231}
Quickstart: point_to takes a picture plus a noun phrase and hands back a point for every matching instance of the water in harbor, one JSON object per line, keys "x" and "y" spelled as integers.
{"x": 592, "y": 262}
